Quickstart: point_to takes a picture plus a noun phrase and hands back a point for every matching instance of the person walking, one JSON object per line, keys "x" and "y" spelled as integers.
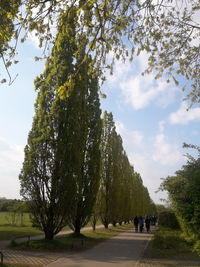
{"x": 135, "y": 222}
{"x": 141, "y": 223}
{"x": 147, "y": 224}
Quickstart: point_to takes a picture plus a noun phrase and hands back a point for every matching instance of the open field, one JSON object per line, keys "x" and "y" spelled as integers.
{"x": 9, "y": 218}
{"x": 11, "y": 227}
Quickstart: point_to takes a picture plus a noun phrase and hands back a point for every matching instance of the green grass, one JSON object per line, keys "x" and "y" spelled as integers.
{"x": 71, "y": 241}
{"x": 9, "y": 231}
{"x": 6, "y": 219}
{"x": 170, "y": 244}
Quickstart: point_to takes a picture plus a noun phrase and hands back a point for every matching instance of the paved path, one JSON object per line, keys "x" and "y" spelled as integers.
{"x": 123, "y": 250}
{"x": 28, "y": 258}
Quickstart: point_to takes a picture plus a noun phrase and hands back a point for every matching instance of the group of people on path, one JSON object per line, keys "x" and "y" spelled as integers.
{"x": 139, "y": 223}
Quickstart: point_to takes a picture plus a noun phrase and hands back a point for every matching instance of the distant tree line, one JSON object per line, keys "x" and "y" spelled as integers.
{"x": 75, "y": 166}
{"x": 13, "y": 205}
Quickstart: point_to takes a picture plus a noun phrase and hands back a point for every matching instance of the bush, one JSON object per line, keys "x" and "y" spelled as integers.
{"x": 168, "y": 219}
{"x": 166, "y": 239}
{"x": 197, "y": 247}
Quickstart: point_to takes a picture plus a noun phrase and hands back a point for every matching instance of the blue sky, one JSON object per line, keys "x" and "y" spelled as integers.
{"x": 149, "y": 115}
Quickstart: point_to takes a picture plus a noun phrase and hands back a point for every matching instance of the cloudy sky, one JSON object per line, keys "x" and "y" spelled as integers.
{"x": 149, "y": 115}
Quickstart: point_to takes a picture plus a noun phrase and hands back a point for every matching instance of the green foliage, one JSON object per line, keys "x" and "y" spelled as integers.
{"x": 47, "y": 180}
{"x": 86, "y": 142}
{"x": 184, "y": 193}
{"x": 160, "y": 208}
{"x": 166, "y": 30}
{"x": 168, "y": 219}
{"x": 8, "y": 12}
{"x": 13, "y": 205}
{"x": 121, "y": 193}
{"x": 197, "y": 247}
{"x": 60, "y": 175}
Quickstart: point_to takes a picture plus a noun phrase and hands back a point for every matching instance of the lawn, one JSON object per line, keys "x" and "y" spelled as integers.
{"x": 8, "y": 230}
{"x": 11, "y": 218}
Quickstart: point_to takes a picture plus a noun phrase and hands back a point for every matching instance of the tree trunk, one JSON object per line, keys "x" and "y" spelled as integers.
{"x": 106, "y": 225}
{"x": 49, "y": 235}
{"x": 77, "y": 230}
{"x": 94, "y": 221}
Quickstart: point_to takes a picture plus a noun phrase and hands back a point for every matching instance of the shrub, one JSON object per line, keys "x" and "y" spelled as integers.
{"x": 168, "y": 219}
{"x": 197, "y": 247}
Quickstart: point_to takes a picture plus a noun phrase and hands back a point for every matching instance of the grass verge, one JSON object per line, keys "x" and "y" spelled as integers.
{"x": 169, "y": 248}
{"x": 10, "y": 232}
{"x": 85, "y": 240}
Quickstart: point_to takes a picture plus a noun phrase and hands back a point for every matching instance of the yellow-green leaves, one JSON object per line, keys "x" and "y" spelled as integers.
{"x": 8, "y": 11}
{"x": 66, "y": 89}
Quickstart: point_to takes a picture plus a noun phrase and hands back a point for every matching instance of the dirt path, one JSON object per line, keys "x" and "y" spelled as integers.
{"x": 122, "y": 250}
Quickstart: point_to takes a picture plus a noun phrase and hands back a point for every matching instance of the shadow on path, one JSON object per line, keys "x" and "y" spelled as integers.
{"x": 122, "y": 250}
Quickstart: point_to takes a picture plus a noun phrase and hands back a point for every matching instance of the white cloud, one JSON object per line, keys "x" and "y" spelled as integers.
{"x": 161, "y": 125}
{"x": 166, "y": 153}
{"x": 34, "y": 39}
{"x": 140, "y": 91}
{"x": 120, "y": 71}
{"x": 130, "y": 138}
{"x": 11, "y": 157}
{"x": 182, "y": 116}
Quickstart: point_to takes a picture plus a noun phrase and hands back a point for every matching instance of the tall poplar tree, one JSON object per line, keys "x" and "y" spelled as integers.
{"x": 106, "y": 168}
{"x": 62, "y": 153}
{"x": 87, "y": 132}
{"x": 115, "y": 194}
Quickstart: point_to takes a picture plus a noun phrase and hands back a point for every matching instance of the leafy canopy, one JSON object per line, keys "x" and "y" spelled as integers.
{"x": 167, "y": 30}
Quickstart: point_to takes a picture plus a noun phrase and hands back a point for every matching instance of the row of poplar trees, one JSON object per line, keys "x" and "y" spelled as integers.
{"x": 75, "y": 167}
